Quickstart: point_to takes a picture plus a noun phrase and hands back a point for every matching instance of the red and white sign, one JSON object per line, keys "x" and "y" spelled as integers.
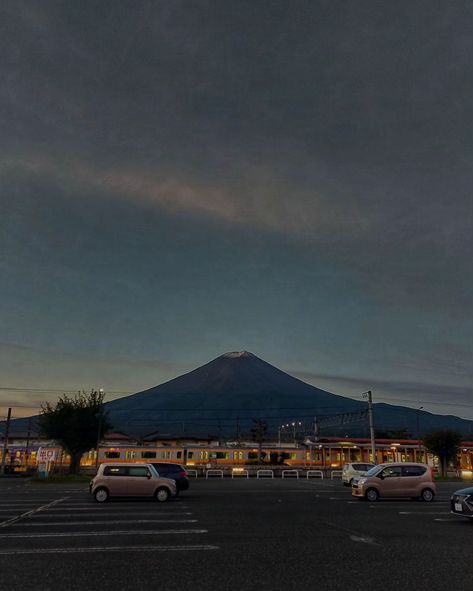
{"x": 45, "y": 454}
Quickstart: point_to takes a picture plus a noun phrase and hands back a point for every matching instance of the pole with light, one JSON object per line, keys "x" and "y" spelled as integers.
{"x": 369, "y": 396}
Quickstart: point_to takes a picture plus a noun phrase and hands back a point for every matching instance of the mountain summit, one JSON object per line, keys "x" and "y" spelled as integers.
{"x": 225, "y": 394}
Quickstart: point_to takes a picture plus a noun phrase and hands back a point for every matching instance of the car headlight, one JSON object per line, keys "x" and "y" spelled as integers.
{"x": 361, "y": 480}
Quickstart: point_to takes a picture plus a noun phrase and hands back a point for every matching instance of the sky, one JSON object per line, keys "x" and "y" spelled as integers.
{"x": 182, "y": 179}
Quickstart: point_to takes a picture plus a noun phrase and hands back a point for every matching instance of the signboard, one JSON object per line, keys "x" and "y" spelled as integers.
{"x": 45, "y": 455}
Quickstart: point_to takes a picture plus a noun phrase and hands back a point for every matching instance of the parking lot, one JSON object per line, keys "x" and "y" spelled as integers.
{"x": 231, "y": 534}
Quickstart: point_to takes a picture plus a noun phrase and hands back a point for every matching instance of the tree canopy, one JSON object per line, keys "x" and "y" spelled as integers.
{"x": 76, "y": 422}
{"x": 445, "y": 445}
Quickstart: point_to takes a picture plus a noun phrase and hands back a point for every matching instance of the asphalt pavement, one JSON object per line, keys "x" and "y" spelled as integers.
{"x": 244, "y": 534}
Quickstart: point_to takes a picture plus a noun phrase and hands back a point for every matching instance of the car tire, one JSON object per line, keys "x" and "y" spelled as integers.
{"x": 371, "y": 495}
{"x": 101, "y": 495}
{"x": 427, "y": 495}
{"x": 162, "y": 495}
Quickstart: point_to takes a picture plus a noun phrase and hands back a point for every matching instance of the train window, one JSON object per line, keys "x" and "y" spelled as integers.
{"x": 115, "y": 471}
{"x": 148, "y": 454}
{"x": 190, "y": 455}
{"x": 179, "y": 455}
{"x": 112, "y": 454}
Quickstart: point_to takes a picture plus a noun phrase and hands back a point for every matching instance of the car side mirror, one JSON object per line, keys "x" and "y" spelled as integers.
{"x": 381, "y": 476}
{"x": 148, "y": 476}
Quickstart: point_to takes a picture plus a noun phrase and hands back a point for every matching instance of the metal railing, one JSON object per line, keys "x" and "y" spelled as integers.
{"x": 290, "y": 473}
{"x": 265, "y": 473}
{"x": 214, "y": 473}
{"x": 318, "y": 473}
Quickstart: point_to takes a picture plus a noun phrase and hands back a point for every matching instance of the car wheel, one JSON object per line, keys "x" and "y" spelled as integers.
{"x": 101, "y": 495}
{"x": 162, "y": 495}
{"x": 371, "y": 495}
{"x": 427, "y": 495}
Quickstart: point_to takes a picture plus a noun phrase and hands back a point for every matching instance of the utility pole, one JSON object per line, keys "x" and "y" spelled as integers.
{"x": 418, "y": 432}
{"x": 99, "y": 431}
{"x": 371, "y": 422}
{"x": 28, "y": 435}
{"x": 5, "y": 442}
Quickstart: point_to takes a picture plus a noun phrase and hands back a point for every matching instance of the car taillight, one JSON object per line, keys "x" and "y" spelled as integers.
{"x": 182, "y": 474}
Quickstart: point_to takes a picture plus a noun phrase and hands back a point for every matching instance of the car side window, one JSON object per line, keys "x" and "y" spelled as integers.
{"x": 413, "y": 470}
{"x": 139, "y": 471}
{"x": 391, "y": 472}
{"x": 115, "y": 471}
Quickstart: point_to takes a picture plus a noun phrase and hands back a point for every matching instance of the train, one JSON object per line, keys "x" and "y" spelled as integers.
{"x": 330, "y": 453}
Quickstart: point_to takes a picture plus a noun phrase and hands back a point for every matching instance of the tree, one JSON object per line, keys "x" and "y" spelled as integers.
{"x": 445, "y": 445}
{"x": 76, "y": 422}
{"x": 258, "y": 432}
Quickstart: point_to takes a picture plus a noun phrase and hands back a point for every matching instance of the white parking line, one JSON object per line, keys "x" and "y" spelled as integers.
{"x": 125, "y": 509}
{"x": 364, "y": 540}
{"x": 189, "y": 548}
{"x": 423, "y": 512}
{"x": 29, "y": 513}
{"x": 48, "y": 515}
{"x": 104, "y": 522}
{"x": 138, "y": 532}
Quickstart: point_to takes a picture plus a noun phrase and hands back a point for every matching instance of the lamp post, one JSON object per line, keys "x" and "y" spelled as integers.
{"x": 368, "y": 395}
{"x": 418, "y": 430}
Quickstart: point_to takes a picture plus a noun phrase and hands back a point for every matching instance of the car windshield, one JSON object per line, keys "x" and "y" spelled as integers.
{"x": 374, "y": 471}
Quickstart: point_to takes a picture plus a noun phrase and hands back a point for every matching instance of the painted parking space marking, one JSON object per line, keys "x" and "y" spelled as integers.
{"x": 364, "y": 540}
{"x": 103, "y": 522}
{"x": 137, "y": 532}
{"x": 29, "y": 513}
{"x": 88, "y": 549}
{"x": 423, "y": 512}
{"x": 49, "y": 515}
{"x": 66, "y": 509}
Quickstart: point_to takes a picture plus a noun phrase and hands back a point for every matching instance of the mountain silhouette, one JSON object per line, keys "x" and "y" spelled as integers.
{"x": 223, "y": 397}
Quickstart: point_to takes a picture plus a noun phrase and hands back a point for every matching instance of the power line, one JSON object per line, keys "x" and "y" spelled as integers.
{"x": 129, "y": 393}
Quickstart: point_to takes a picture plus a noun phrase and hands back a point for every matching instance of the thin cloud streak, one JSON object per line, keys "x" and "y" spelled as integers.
{"x": 261, "y": 199}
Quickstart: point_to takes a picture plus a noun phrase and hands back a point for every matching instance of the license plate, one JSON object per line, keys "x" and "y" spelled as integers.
{"x": 458, "y": 507}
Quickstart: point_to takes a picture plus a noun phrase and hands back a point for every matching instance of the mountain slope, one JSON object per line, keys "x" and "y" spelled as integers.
{"x": 225, "y": 394}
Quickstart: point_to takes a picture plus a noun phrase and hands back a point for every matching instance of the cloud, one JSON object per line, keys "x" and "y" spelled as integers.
{"x": 438, "y": 398}
{"x": 260, "y": 197}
